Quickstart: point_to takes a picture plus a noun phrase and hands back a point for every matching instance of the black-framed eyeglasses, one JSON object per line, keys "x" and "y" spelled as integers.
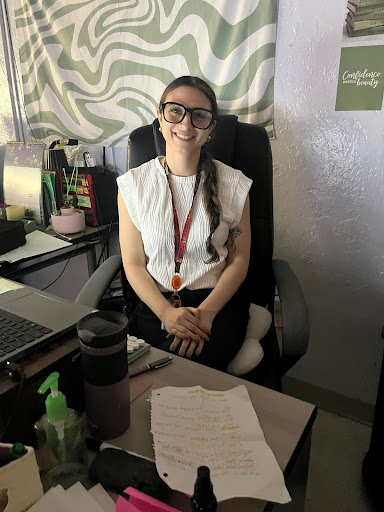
{"x": 174, "y": 113}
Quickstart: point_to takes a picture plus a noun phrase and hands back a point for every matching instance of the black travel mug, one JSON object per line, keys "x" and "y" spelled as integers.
{"x": 104, "y": 362}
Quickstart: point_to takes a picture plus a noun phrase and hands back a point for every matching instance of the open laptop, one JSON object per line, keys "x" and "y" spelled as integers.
{"x": 30, "y": 318}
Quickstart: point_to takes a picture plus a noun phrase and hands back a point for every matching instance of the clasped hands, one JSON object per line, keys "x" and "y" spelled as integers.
{"x": 191, "y": 328}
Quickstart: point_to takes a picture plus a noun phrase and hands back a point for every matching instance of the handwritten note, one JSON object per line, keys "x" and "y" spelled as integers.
{"x": 192, "y": 427}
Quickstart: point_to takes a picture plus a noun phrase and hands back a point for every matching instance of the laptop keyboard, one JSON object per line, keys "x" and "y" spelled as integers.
{"x": 17, "y": 332}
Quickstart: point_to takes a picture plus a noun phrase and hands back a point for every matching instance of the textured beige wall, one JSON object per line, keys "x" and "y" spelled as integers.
{"x": 329, "y": 201}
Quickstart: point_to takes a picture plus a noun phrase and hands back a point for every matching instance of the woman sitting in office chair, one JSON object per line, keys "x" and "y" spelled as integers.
{"x": 185, "y": 235}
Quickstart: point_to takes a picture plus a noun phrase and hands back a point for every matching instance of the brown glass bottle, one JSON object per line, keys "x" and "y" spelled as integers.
{"x": 203, "y": 499}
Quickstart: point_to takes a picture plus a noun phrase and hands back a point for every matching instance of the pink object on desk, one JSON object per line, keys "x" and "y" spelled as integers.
{"x": 71, "y": 220}
{"x": 140, "y": 502}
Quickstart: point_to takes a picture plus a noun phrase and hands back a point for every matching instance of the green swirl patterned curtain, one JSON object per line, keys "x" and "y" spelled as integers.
{"x": 94, "y": 70}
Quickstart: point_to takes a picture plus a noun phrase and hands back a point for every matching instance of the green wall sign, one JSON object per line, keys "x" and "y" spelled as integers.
{"x": 361, "y": 78}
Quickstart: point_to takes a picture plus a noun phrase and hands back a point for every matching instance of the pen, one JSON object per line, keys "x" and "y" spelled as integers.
{"x": 152, "y": 366}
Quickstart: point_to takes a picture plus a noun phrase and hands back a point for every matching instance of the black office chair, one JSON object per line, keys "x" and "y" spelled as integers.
{"x": 245, "y": 147}
{"x": 374, "y": 457}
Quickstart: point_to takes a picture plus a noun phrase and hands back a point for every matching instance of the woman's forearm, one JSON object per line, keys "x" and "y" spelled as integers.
{"x": 235, "y": 271}
{"x": 145, "y": 287}
{"x": 133, "y": 255}
{"x": 181, "y": 322}
{"x": 178, "y": 321}
{"x": 228, "y": 284}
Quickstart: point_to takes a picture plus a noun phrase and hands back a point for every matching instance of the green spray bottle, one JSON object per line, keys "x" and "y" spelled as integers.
{"x": 62, "y": 448}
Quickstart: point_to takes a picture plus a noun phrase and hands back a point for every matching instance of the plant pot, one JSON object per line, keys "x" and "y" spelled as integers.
{"x": 67, "y": 211}
{"x": 70, "y": 221}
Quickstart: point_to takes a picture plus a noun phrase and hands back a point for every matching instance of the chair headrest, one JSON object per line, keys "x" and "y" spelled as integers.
{"x": 222, "y": 145}
{"x": 158, "y": 138}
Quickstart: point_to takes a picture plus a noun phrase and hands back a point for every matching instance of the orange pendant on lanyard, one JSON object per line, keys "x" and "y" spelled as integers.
{"x": 180, "y": 245}
{"x": 176, "y": 284}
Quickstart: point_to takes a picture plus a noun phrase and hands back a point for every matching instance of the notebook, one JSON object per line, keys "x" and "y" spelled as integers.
{"x": 30, "y": 318}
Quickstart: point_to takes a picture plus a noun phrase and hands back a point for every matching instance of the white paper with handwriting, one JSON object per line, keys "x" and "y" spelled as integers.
{"x": 194, "y": 427}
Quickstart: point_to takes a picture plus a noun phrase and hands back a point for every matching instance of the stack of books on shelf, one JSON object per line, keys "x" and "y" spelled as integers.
{"x": 365, "y": 17}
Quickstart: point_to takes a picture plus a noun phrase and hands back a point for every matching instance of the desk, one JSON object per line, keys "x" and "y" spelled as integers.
{"x": 286, "y": 421}
{"x": 86, "y": 242}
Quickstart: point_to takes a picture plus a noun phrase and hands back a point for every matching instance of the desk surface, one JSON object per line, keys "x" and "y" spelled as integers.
{"x": 286, "y": 421}
{"x": 83, "y": 243}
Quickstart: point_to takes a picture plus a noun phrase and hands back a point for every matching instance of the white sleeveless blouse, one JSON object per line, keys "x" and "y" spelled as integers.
{"x": 148, "y": 199}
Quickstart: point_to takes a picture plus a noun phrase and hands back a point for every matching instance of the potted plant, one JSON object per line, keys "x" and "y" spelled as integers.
{"x": 66, "y": 204}
{"x": 29, "y": 221}
{"x": 69, "y": 219}
{"x": 29, "y": 214}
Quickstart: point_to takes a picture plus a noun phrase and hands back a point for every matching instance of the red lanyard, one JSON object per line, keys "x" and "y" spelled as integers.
{"x": 180, "y": 244}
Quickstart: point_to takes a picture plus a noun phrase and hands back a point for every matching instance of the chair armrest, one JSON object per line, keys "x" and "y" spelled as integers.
{"x": 94, "y": 289}
{"x": 295, "y": 332}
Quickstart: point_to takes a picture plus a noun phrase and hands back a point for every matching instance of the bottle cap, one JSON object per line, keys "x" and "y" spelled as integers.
{"x": 102, "y": 329}
{"x": 17, "y": 450}
{"x": 203, "y": 491}
{"x": 56, "y": 403}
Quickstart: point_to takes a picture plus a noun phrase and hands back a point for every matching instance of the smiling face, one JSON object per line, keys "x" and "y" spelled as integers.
{"x": 183, "y": 137}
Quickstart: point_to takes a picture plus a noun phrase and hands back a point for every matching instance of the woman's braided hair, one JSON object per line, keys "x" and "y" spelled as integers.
{"x": 206, "y": 164}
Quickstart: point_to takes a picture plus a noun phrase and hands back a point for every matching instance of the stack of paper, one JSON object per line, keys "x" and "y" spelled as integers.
{"x": 195, "y": 427}
{"x": 74, "y": 499}
{"x": 36, "y": 243}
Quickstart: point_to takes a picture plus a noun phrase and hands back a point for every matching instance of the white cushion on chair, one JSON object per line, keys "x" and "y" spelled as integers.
{"x": 251, "y": 352}
{"x": 260, "y": 320}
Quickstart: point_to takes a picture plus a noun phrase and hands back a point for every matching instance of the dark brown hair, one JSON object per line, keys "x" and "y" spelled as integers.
{"x": 206, "y": 164}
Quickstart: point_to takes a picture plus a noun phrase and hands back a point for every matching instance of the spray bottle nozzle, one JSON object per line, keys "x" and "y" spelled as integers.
{"x": 55, "y": 403}
{"x": 50, "y": 382}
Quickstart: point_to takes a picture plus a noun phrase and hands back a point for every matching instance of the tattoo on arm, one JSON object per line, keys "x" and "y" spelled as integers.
{"x": 233, "y": 234}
